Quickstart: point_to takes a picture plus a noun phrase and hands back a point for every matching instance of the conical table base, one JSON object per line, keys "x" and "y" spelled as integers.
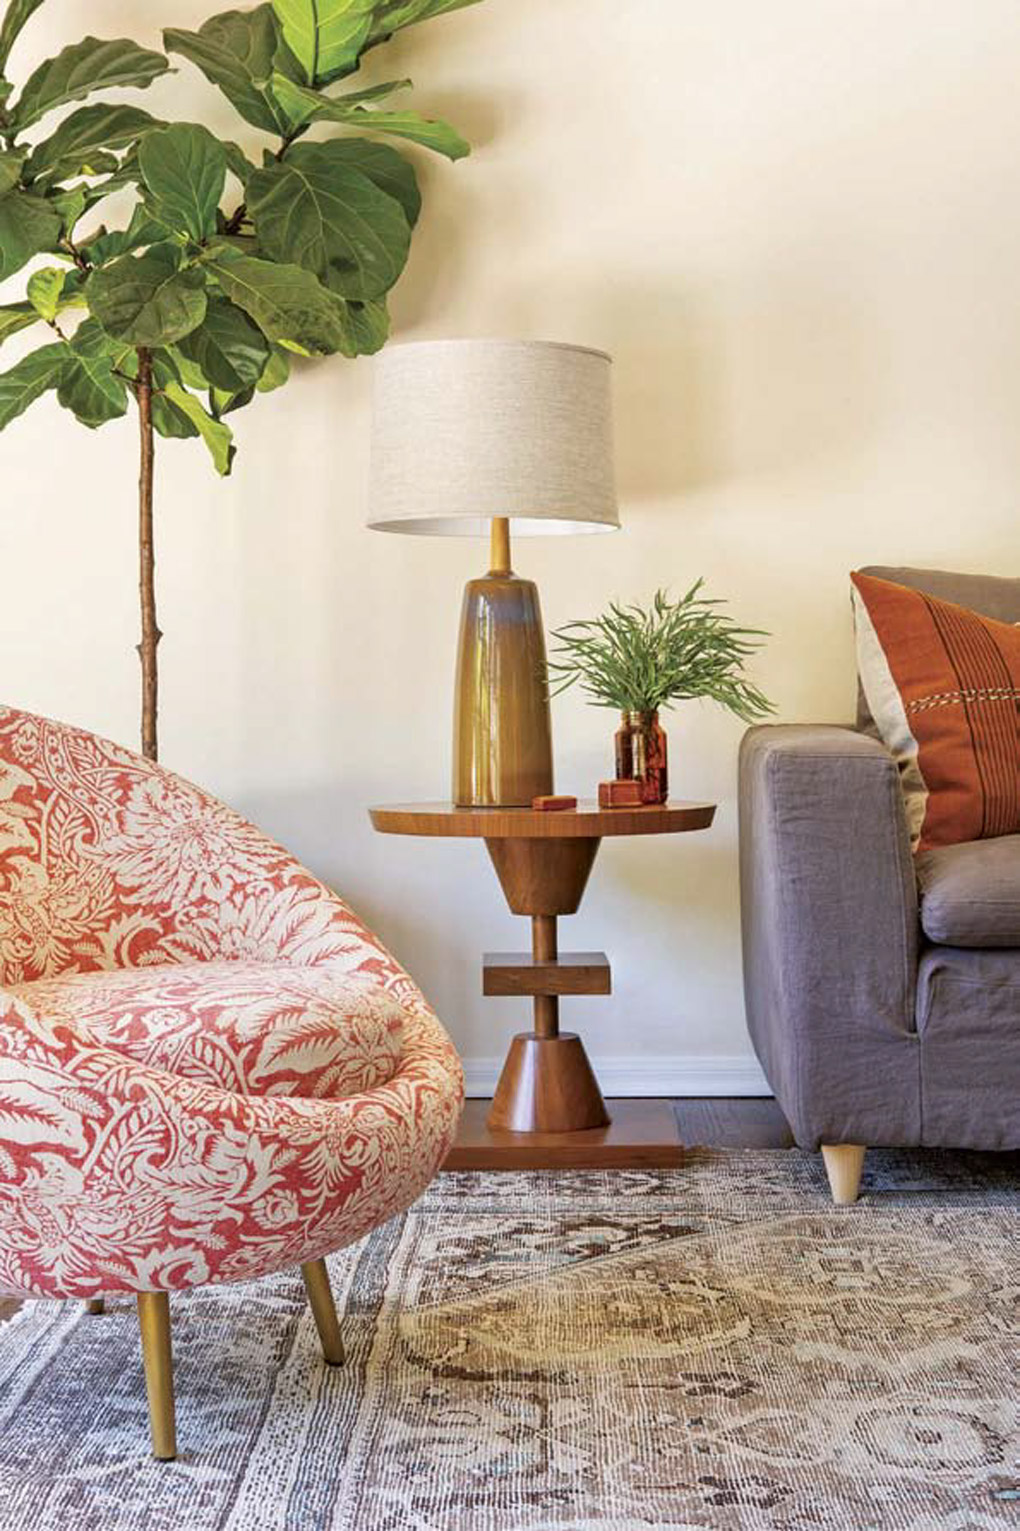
{"x": 547, "y": 1085}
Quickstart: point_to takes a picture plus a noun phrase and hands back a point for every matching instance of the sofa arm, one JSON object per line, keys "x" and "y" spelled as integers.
{"x": 830, "y": 932}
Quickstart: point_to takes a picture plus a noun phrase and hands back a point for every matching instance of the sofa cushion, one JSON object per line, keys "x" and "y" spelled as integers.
{"x": 943, "y": 683}
{"x": 970, "y": 894}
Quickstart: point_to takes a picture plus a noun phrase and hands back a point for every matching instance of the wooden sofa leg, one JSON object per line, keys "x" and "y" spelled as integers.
{"x": 324, "y": 1310}
{"x": 154, "y": 1322}
{"x": 843, "y": 1165}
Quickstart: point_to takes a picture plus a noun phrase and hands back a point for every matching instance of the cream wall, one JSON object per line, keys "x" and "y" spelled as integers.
{"x": 796, "y": 225}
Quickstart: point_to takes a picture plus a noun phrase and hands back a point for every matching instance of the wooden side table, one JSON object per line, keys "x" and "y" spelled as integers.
{"x": 543, "y": 861}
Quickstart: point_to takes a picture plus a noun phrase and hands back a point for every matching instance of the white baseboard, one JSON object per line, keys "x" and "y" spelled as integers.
{"x": 681, "y": 1074}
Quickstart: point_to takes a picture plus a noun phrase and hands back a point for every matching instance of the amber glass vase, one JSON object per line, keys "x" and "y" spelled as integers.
{"x": 641, "y": 754}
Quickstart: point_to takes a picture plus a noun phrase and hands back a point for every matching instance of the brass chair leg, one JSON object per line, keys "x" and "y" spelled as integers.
{"x": 154, "y": 1322}
{"x": 95, "y": 1305}
{"x": 324, "y": 1310}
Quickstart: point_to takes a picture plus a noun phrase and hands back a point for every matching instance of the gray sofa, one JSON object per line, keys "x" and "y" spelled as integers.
{"x": 883, "y": 995}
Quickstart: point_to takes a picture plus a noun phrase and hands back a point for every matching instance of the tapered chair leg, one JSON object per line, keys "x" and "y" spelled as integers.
{"x": 154, "y": 1321}
{"x": 843, "y": 1165}
{"x": 95, "y": 1305}
{"x": 324, "y": 1310}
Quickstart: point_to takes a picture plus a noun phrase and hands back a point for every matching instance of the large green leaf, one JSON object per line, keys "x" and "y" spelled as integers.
{"x": 11, "y": 162}
{"x": 184, "y": 169}
{"x": 366, "y": 327}
{"x": 320, "y": 211}
{"x": 89, "y": 389}
{"x": 30, "y": 378}
{"x": 312, "y": 106}
{"x": 230, "y": 350}
{"x": 166, "y": 417}
{"x": 431, "y": 132}
{"x": 15, "y": 317}
{"x": 100, "y": 162}
{"x": 223, "y": 402}
{"x": 70, "y": 150}
{"x": 146, "y": 300}
{"x": 393, "y": 15}
{"x": 69, "y": 203}
{"x": 286, "y": 302}
{"x": 243, "y": 244}
{"x": 91, "y": 342}
{"x": 237, "y": 51}
{"x": 168, "y": 420}
{"x": 27, "y": 226}
{"x": 81, "y": 68}
{"x": 389, "y": 170}
{"x": 372, "y": 93}
{"x": 44, "y": 290}
{"x": 218, "y": 437}
{"x": 238, "y": 162}
{"x": 17, "y": 13}
{"x": 187, "y": 372}
{"x": 325, "y": 36}
{"x": 276, "y": 373}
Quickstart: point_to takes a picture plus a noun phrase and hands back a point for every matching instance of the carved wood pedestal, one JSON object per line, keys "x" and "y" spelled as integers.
{"x": 543, "y": 860}
{"x": 547, "y": 1083}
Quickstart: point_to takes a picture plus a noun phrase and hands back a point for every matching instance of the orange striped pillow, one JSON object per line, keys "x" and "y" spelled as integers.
{"x": 943, "y": 686}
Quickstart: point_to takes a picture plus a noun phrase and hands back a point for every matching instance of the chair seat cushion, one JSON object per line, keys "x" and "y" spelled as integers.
{"x": 253, "y": 1028}
{"x": 970, "y": 894}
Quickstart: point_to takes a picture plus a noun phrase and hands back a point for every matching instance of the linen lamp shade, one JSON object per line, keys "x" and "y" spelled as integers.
{"x": 485, "y": 437}
{"x": 468, "y": 430}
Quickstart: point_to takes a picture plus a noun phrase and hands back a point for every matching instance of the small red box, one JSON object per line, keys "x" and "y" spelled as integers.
{"x": 553, "y": 804}
{"x": 620, "y": 794}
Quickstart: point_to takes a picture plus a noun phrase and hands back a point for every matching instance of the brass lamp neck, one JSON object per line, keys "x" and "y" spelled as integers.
{"x": 499, "y": 556}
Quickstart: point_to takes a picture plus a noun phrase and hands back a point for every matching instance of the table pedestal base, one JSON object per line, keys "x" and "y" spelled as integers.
{"x": 547, "y": 1085}
{"x": 642, "y": 1134}
{"x": 548, "y": 1108}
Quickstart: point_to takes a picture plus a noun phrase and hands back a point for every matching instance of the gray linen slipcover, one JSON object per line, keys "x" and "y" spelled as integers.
{"x": 870, "y": 1028}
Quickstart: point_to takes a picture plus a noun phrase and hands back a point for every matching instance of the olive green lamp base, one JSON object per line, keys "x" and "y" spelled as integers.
{"x": 502, "y": 735}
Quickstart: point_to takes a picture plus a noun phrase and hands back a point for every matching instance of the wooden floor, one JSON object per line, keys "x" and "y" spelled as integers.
{"x": 732, "y": 1124}
{"x": 649, "y": 1134}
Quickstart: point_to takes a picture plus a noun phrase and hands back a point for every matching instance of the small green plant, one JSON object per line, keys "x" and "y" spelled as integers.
{"x": 226, "y": 266}
{"x": 638, "y": 660}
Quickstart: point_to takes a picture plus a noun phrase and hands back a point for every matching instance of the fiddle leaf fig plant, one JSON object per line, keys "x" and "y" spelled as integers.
{"x": 225, "y": 265}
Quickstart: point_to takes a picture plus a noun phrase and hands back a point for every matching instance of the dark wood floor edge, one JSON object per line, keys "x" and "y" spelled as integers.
{"x": 747, "y": 1121}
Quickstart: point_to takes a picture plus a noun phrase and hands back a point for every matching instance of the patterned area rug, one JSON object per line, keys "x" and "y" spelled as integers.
{"x": 713, "y": 1347}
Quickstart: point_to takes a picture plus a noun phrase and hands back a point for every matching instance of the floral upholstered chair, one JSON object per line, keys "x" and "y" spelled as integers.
{"x": 209, "y": 1068}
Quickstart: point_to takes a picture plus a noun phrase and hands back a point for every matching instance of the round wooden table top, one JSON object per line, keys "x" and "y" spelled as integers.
{"x": 586, "y": 821}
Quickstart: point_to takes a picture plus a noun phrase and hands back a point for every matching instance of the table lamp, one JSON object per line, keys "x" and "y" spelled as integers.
{"x": 488, "y": 437}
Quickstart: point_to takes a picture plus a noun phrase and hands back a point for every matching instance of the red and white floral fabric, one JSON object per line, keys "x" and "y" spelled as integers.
{"x": 209, "y": 1067}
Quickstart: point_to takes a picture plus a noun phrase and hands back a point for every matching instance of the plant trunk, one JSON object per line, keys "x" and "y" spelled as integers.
{"x": 147, "y": 560}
